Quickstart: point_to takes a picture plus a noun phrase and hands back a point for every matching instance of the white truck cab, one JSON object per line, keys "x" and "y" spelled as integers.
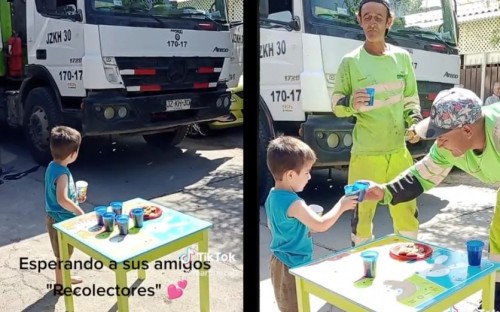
{"x": 141, "y": 67}
{"x": 301, "y": 45}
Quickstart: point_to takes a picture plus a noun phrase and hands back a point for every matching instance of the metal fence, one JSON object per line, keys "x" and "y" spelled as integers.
{"x": 478, "y": 72}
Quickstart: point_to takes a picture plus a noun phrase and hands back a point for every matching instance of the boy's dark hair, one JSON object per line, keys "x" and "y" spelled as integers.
{"x": 64, "y": 141}
{"x": 288, "y": 153}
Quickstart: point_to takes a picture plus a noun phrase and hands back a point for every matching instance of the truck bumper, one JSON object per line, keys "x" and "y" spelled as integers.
{"x": 331, "y": 139}
{"x": 147, "y": 114}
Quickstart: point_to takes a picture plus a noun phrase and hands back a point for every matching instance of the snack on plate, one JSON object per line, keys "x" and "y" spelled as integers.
{"x": 410, "y": 250}
{"x": 150, "y": 211}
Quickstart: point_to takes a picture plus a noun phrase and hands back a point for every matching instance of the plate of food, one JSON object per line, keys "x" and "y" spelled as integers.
{"x": 410, "y": 251}
{"x": 150, "y": 212}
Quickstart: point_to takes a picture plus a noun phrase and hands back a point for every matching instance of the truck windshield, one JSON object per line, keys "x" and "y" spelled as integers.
{"x": 163, "y": 10}
{"x": 430, "y": 20}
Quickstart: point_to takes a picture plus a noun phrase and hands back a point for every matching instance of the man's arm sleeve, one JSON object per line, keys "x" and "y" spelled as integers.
{"x": 488, "y": 101}
{"x": 411, "y": 100}
{"x": 342, "y": 92}
{"x": 421, "y": 177}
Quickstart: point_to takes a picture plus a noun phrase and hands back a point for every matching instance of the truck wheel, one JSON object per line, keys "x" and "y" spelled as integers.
{"x": 265, "y": 177}
{"x": 167, "y": 139}
{"x": 41, "y": 115}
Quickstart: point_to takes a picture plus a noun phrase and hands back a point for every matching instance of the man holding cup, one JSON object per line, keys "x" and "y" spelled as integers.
{"x": 467, "y": 137}
{"x": 376, "y": 84}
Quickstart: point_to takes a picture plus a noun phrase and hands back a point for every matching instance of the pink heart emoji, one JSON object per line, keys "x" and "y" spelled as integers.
{"x": 182, "y": 284}
{"x": 173, "y": 292}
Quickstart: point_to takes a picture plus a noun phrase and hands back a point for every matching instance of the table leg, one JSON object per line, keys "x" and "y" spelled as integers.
{"x": 489, "y": 293}
{"x": 302, "y": 296}
{"x": 66, "y": 274}
{"x": 121, "y": 282}
{"x": 141, "y": 274}
{"x": 204, "y": 285}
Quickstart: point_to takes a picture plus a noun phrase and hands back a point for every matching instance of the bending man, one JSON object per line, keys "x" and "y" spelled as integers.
{"x": 467, "y": 137}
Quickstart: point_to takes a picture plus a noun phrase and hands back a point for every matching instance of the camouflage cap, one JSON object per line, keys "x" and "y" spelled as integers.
{"x": 452, "y": 109}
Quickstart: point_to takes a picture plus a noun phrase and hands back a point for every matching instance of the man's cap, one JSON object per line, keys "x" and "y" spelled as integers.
{"x": 387, "y": 3}
{"x": 452, "y": 109}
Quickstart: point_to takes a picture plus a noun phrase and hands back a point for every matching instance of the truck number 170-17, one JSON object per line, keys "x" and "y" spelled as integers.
{"x": 285, "y": 95}
{"x": 70, "y": 75}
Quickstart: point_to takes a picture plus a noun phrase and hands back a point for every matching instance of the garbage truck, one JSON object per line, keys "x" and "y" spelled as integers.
{"x": 302, "y": 43}
{"x": 113, "y": 67}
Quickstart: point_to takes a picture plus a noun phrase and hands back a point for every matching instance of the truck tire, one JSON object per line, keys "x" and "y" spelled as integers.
{"x": 265, "y": 177}
{"x": 41, "y": 115}
{"x": 167, "y": 139}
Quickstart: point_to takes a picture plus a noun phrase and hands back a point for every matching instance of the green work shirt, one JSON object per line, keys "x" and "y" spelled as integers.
{"x": 437, "y": 164}
{"x": 379, "y": 129}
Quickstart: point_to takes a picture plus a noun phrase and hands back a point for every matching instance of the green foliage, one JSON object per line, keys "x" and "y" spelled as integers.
{"x": 352, "y": 5}
{"x": 401, "y": 7}
{"x": 407, "y": 7}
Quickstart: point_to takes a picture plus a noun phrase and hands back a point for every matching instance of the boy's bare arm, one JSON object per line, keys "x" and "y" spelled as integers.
{"x": 311, "y": 219}
{"x": 62, "y": 195}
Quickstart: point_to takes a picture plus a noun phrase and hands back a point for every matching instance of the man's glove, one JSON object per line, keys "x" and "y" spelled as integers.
{"x": 411, "y": 136}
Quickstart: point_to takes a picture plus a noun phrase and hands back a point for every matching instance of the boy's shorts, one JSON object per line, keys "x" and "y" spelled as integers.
{"x": 54, "y": 240}
{"x": 284, "y": 286}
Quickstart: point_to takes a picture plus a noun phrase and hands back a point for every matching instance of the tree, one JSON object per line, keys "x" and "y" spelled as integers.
{"x": 400, "y": 7}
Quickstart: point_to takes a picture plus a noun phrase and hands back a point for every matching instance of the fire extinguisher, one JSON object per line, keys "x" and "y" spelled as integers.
{"x": 15, "y": 56}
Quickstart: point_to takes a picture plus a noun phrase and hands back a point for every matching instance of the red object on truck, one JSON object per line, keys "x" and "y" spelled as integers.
{"x": 15, "y": 55}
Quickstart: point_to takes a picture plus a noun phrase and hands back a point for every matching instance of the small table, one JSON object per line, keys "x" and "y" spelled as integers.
{"x": 433, "y": 284}
{"x": 157, "y": 238}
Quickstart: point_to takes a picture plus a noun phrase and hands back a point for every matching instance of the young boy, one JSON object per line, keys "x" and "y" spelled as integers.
{"x": 289, "y": 218}
{"x": 61, "y": 202}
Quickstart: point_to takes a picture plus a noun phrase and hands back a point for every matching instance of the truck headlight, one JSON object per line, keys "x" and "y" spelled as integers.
{"x": 347, "y": 140}
{"x": 333, "y": 140}
{"x": 111, "y": 70}
{"x": 112, "y": 74}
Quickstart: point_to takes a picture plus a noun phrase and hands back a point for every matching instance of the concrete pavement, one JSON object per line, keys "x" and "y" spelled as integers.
{"x": 207, "y": 184}
{"x": 459, "y": 209}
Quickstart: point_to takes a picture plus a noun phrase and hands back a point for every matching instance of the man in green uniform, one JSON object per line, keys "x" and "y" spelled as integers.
{"x": 468, "y": 137}
{"x": 379, "y": 150}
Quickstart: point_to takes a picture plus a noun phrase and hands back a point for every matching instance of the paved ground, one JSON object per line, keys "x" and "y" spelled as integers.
{"x": 458, "y": 210}
{"x": 202, "y": 178}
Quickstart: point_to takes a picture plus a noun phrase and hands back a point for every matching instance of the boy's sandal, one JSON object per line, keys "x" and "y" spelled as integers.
{"x": 76, "y": 280}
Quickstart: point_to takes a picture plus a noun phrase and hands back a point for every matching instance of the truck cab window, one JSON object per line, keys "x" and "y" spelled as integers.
{"x": 56, "y": 7}
{"x": 280, "y": 10}
{"x": 334, "y": 10}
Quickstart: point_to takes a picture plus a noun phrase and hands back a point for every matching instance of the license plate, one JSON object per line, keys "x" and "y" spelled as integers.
{"x": 179, "y": 104}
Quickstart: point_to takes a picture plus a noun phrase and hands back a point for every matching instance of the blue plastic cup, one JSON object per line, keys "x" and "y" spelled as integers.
{"x": 122, "y": 222}
{"x": 350, "y": 190}
{"x": 371, "y": 93}
{"x": 361, "y": 187}
{"x": 138, "y": 215}
{"x": 99, "y": 211}
{"x": 369, "y": 263}
{"x": 117, "y": 207}
{"x": 109, "y": 221}
{"x": 474, "y": 252}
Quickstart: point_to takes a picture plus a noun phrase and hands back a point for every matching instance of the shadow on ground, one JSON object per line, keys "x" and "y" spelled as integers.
{"x": 116, "y": 169}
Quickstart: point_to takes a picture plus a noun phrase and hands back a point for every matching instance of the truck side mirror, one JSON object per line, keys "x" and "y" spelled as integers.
{"x": 79, "y": 15}
{"x": 295, "y": 23}
{"x": 263, "y": 8}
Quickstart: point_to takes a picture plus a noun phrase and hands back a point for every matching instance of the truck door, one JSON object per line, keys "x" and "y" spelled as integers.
{"x": 56, "y": 41}
{"x": 281, "y": 62}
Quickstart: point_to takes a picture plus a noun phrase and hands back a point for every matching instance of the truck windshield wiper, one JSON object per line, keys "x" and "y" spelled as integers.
{"x": 422, "y": 33}
{"x": 147, "y": 13}
{"x": 137, "y": 10}
{"x": 270, "y": 23}
{"x": 198, "y": 13}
